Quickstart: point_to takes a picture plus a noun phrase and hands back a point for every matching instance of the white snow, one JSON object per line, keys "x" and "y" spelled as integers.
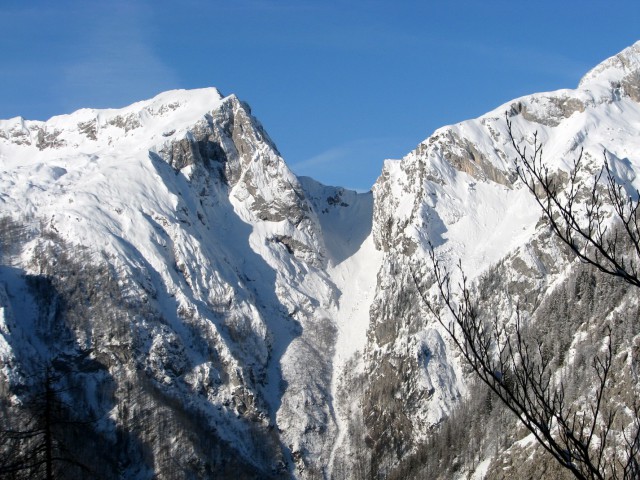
{"x": 91, "y": 176}
{"x": 481, "y": 470}
{"x": 355, "y": 278}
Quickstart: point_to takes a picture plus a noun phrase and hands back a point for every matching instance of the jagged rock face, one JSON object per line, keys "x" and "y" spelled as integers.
{"x": 273, "y": 327}
{"x": 619, "y": 73}
{"x": 233, "y": 144}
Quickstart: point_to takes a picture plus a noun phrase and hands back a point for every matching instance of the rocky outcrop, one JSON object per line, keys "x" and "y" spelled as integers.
{"x": 232, "y": 143}
{"x": 47, "y": 139}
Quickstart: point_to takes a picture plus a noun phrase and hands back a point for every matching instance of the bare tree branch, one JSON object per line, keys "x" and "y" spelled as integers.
{"x": 585, "y": 231}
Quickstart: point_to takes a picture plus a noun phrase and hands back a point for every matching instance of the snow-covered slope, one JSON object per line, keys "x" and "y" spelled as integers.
{"x": 270, "y": 325}
{"x": 187, "y": 197}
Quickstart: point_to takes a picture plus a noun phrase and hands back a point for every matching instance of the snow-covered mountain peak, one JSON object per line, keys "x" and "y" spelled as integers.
{"x": 433, "y": 194}
{"x": 147, "y": 122}
{"x": 620, "y": 72}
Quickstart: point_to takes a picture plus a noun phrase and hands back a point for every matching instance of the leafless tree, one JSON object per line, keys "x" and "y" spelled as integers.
{"x": 518, "y": 367}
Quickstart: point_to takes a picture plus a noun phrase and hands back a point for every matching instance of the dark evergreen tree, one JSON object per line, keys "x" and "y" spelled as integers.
{"x": 36, "y": 436}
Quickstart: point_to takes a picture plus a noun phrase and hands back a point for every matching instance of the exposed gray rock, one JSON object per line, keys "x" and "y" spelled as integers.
{"x": 127, "y": 122}
{"x": 89, "y": 128}
{"x": 549, "y": 111}
{"x": 631, "y": 86}
{"x": 20, "y": 136}
{"x": 49, "y": 139}
{"x": 463, "y": 155}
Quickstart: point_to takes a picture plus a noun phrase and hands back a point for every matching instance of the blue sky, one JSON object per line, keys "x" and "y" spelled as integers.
{"x": 339, "y": 85}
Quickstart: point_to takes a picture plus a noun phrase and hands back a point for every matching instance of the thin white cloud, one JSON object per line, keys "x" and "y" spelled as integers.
{"x": 356, "y": 163}
{"x": 355, "y": 149}
{"x": 327, "y": 157}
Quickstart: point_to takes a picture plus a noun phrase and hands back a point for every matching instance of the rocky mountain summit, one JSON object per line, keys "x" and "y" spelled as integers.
{"x": 216, "y": 316}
